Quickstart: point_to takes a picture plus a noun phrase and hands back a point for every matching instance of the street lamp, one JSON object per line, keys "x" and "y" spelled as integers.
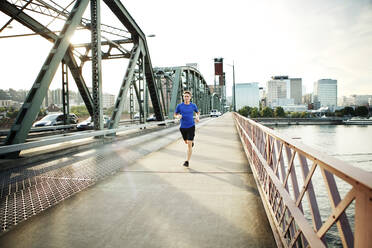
{"x": 234, "y": 101}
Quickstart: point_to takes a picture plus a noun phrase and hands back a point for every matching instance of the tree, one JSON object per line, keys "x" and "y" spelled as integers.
{"x": 339, "y": 113}
{"x": 267, "y": 112}
{"x": 295, "y": 115}
{"x": 348, "y": 111}
{"x": 304, "y": 115}
{"x": 255, "y": 113}
{"x": 361, "y": 111}
{"x": 245, "y": 111}
{"x": 279, "y": 112}
{"x": 109, "y": 111}
{"x": 80, "y": 111}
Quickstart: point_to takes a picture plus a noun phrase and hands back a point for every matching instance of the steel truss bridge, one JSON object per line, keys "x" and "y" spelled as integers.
{"x": 160, "y": 88}
{"x": 288, "y": 175}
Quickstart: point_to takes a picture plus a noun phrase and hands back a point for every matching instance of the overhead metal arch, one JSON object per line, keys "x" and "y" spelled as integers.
{"x": 216, "y": 102}
{"x": 66, "y": 53}
{"x": 163, "y": 86}
{"x": 175, "y": 80}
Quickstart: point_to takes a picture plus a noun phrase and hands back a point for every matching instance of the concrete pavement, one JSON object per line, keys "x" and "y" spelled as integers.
{"x": 156, "y": 202}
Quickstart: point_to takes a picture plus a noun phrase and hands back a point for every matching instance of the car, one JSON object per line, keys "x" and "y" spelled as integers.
{"x": 89, "y": 124}
{"x": 215, "y": 113}
{"x": 151, "y": 118}
{"x": 136, "y": 116}
{"x": 55, "y": 119}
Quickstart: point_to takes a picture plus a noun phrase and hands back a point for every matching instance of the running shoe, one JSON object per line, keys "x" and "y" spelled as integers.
{"x": 186, "y": 164}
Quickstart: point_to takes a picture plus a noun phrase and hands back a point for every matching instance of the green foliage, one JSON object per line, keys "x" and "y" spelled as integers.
{"x": 348, "y": 111}
{"x": 80, "y": 111}
{"x": 361, "y": 111}
{"x": 42, "y": 113}
{"x": 339, "y": 113}
{"x": 295, "y": 115}
{"x": 267, "y": 112}
{"x": 279, "y": 112}
{"x": 109, "y": 111}
{"x": 304, "y": 115}
{"x": 254, "y": 113}
{"x": 12, "y": 113}
{"x": 245, "y": 111}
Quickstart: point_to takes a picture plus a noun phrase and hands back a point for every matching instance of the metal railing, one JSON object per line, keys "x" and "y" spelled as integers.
{"x": 76, "y": 136}
{"x": 276, "y": 162}
{"x": 55, "y": 139}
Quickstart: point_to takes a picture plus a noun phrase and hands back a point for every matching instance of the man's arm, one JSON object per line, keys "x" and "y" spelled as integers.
{"x": 177, "y": 113}
{"x": 197, "y": 116}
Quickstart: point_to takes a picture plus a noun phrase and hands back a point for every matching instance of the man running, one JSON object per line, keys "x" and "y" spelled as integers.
{"x": 185, "y": 112}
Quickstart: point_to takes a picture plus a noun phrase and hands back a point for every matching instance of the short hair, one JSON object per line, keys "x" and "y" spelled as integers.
{"x": 187, "y": 92}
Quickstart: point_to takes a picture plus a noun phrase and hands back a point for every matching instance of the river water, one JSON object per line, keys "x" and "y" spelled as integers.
{"x": 352, "y": 144}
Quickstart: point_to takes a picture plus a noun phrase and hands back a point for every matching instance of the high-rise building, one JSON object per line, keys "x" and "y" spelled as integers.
{"x": 325, "y": 90}
{"x": 282, "y": 90}
{"x": 247, "y": 94}
{"x": 56, "y": 97}
{"x": 277, "y": 89}
{"x": 295, "y": 90}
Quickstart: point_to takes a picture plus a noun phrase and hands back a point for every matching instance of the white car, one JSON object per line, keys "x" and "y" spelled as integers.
{"x": 55, "y": 119}
{"x": 215, "y": 113}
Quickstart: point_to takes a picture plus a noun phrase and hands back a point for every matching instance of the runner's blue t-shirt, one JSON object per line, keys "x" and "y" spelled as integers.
{"x": 187, "y": 112}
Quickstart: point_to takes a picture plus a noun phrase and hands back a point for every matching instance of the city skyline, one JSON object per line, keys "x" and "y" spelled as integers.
{"x": 309, "y": 40}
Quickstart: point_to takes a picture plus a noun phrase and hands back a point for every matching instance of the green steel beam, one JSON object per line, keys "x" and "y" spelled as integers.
{"x": 175, "y": 89}
{"x": 65, "y": 94}
{"x": 31, "y": 107}
{"x": 95, "y": 15}
{"x": 69, "y": 59}
{"x": 194, "y": 81}
{"x": 138, "y": 96}
{"x": 123, "y": 92}
{"x": 126, "y": 19}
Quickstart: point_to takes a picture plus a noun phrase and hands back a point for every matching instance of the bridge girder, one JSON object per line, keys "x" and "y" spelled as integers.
{"x": 165, "y": 91}
{"x": 183, "y": 78}
{"x": 31, "y": 107}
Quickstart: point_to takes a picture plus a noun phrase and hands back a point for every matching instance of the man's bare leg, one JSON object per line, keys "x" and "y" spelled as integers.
{"x": 189, "y": 149}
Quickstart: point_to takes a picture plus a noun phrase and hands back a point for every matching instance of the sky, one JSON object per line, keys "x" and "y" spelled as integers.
{"x": 311, "y": 40}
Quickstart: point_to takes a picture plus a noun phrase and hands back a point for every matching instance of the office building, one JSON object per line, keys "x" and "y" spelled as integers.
{"x": 325, "y": 91}
{"x": 277, "y": 89}
{"x": 247, "y": 94}
{"x": 108, "y": 100}
{"x": 295, "y": 90}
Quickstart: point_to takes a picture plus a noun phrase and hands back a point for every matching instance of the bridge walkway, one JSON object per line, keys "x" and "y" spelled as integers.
{"x": 156, "y": 202}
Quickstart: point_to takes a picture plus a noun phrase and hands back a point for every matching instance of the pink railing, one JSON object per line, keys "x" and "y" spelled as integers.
{"x": 338, "y": 202}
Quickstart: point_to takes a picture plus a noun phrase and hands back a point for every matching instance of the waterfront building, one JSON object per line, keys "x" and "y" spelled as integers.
{"x": 295, "y": 108}
{"x": 325, "y": 90}
{"x": 295, "y": 90}
{"x": 247, "y": 94}
{"x": 282, "y": 90}
{"x": 276, "y": 89}
{"x": 10, "y": 103}
{"x": 56, "y": 97}
{"x": 355, "y": 100}
{"x": 108, "y": 100}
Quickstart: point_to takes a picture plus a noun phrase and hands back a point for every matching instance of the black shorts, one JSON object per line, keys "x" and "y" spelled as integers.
{"x": 188, "y": 133}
